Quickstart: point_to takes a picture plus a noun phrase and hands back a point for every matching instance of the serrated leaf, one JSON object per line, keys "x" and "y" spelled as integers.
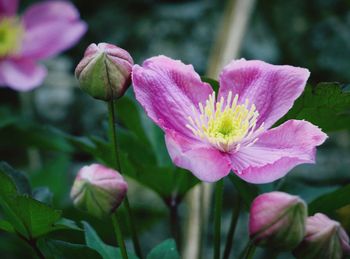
{"x": 330, "y": 202}
{"x": 30, "y": 217}
{"x": 165, "y": 250}
{"x": 106, "y": 251}
{"x": 326, "y": 105}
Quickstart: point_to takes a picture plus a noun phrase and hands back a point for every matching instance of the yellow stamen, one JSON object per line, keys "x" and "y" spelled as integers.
{"x": 226, "y": 125}
{"x": 11, "y": 32}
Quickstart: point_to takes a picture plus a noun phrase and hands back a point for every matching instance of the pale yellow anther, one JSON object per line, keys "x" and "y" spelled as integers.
{"x": 11, "y": 32}
{"x": 225, "y": 124}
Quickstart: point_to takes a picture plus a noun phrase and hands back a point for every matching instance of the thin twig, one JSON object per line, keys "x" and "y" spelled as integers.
{"x": 119, "y": 235}
{"x": 233, "y": 224}
{"x": 219, "y": 187}
{"x": 113, "y": 137}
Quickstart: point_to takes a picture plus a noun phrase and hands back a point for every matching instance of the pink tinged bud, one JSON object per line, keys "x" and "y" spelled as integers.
{"x": 98, "y": 190}
{"x": 277, "y": 220}
{"x": 105, "y": 71}
{"x": 325, "y": 238}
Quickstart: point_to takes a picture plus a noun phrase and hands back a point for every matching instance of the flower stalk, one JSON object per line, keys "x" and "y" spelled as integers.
{"x": 219, "y": 186}
{"x": 234, "y": 218}
{"x": 113, "y": 139}
{"x": 119, "y": 236}
{"x": 249, "y": 251}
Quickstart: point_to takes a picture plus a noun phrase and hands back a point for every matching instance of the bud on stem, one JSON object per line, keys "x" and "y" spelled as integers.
{"x": 98, "y": 190}
{"x": 277, "y": 220}
{"x": 105, "y": 71}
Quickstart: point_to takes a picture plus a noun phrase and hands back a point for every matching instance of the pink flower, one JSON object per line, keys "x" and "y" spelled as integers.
{"x": 211, "y": 136}
{"x": 44, "y": 30}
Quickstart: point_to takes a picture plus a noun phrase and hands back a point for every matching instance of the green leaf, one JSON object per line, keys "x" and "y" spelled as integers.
{"x": 6, "y": 226}
{"x": 51, "y": 174}
{"x": 330, "y": 202}
{"x": 130, "y": 118}
{"x": 165, "y": 250}
{"x": 7, "y": 186}
{"x": 68, "y": 224}
{"x": 247, "y": 191}
{"x": 30, "y": 217}
{"x": 18, "y": 178}
{"x": 58, "y": 249}
{"x": 326, "y": 105}
{"x": 168, "y": 182}
{"x": 106, "y": 251}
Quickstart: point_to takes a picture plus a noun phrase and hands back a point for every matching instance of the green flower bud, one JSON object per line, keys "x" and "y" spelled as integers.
{"x": 105, "y": 71}
{"x": 325, "y": 238}
{"x": 98, "y": 190}
{"x": 277, "y": 220}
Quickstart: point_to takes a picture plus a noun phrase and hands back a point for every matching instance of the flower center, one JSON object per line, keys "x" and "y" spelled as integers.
{"x": 11, "y": 32}
{"x": 225, "y": 125}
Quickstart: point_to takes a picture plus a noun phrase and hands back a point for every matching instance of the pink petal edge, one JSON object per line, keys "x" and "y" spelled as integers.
{"x": 8, "y": 7}
{"x": 167, "y": 89}
{"x": 21, "y": 75}
{"x": 278, "y": 151}
{"x": 206, "y": 163}
{"x": 50, "y": 27}
{"x": 272, "y": 88}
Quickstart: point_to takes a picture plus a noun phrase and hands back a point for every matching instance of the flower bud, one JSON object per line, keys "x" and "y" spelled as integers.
{"x": 325, "y": 238}
{"x": 277, "y": 220}
{"x": 105, "y": 71}
{"x": 98, "y": 190}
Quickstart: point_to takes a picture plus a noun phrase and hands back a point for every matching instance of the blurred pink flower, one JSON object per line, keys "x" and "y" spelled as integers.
{"x": 211, "y": 136}
{"x": 44, "y": 30}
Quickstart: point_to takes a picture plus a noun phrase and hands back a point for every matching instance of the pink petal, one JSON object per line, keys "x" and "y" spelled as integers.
{"x": 167, "y": 89}
{"x": 51, "y": 27}
{"x": 206, "y": 163}
{"x": 278, "y": 151}
{"x": 8, "y": 7}
{"x": 273, "y": 89}
{"x": 21, "y": 75}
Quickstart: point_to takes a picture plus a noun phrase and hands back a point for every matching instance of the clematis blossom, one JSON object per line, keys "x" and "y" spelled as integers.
{"x": 211, "y": 135}
{"x": 44, "y": 30}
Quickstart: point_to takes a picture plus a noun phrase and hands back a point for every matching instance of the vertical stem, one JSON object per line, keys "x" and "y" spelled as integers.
{"x": 174, "y": 223}
{"x": 219, "y": 186}
{"x": 33, "y": 245}
{"x": 119, "y": 235}
{"x": 248, "y": 251}
{"x": 231, "y": 232}
{"x": 113, "y": 138}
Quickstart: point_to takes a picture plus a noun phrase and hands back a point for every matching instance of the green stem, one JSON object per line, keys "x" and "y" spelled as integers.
{"x": 174, "y": 223}
{"x": 249, "y": 251}
{"x": 219, "y": 187}
{"x": 119, "y": 235}
{"x": 114, "y": 140}
{"x": 233, "y": 224}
